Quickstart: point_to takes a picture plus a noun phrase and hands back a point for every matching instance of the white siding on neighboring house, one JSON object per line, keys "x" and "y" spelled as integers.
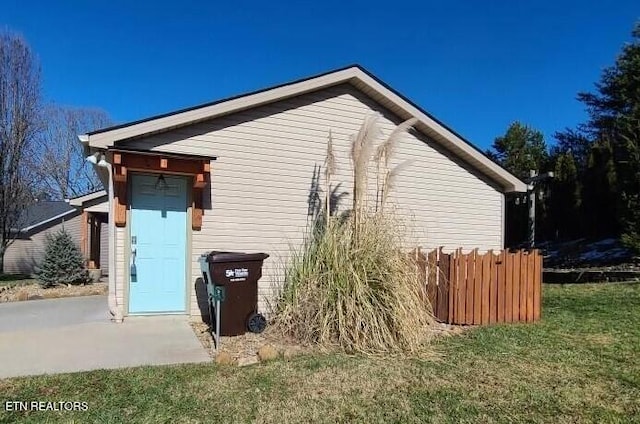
{"x": 23, "y": 255}
{"x": 261, "y": 181}
{"x": 104, "y": 248}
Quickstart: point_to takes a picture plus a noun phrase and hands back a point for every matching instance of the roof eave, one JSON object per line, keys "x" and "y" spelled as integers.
{"x": 354, "y": 75}
{"x": 107, "y": 139}
{"x": 81, "y": 200}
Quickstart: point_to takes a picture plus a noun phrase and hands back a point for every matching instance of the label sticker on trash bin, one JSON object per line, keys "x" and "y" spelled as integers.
{"x": 218, "y": 293}
{"x": 237, "y": 274}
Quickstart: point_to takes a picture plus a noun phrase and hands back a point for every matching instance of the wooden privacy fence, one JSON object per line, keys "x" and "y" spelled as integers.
{"x": 480, "y": 289}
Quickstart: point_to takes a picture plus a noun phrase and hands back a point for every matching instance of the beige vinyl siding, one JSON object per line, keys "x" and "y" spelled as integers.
{"x": 120, "y": 267}
{"x": 261, "y": 180}
{"x": 23, "y": 255}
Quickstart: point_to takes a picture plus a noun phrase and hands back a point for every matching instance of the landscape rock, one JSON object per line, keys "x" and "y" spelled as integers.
{"x": 248, "y": 360}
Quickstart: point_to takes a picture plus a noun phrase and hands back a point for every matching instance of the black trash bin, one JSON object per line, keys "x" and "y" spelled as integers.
{"x": 238, "y": 273}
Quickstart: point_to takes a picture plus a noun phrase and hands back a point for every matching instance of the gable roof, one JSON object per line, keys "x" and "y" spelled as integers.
{"x": 44, "y": 211}
{"x": 354, "y": 75}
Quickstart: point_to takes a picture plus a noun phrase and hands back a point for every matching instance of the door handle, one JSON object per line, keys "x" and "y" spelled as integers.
{"x": 132, "y": 262}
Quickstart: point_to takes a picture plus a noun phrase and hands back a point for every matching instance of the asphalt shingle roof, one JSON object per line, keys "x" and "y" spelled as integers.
{"x": 42, "y": 211}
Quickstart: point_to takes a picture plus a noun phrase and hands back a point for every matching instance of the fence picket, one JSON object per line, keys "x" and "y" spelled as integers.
{"x": 530, "y": 284}
{"x": 486, "y": 282}
{"x": 523, "y": 286}
{"x": 493, "y": 287}
{"x": 481, "y": 289}
{"x": 462, "y": 281}
{"x": 508, "y": 280}
{"x": 452, "y": 286}
{"x": 429, "y": 274}
{"x": 537, "y": 284}
{"x": 470, "y": 287}
{"x": 477, "y": 289}
{"x": 443, "y": 285}
{"x": 516, "y": 286}
{"x": 501, "y": 268}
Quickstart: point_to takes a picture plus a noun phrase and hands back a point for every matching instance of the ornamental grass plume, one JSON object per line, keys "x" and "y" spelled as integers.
{"x": 352, "y": 285}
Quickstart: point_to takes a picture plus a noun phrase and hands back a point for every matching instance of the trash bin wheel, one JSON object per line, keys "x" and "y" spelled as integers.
{"x": 256, "y": 323}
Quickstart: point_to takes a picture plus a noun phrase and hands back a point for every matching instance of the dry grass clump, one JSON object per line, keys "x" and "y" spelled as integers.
{"x": 352, "y": 285}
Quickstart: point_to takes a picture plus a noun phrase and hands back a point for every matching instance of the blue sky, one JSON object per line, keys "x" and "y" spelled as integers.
{"x": 476, "y": 65}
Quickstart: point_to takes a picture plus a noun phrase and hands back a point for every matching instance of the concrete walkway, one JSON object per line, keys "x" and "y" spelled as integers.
{"x": 76, "y": 334}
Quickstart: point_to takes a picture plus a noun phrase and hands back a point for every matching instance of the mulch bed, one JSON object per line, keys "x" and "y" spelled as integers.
{"x": 35, "y": 291}
{"x": 243, "y": 350}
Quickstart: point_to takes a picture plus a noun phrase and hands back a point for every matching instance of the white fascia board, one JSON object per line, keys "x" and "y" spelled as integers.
{"x": 100, "y": 207}
{"x": 79, "y": 201}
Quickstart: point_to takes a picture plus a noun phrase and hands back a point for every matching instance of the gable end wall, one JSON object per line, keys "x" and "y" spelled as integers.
{"x": 261, "y": 180}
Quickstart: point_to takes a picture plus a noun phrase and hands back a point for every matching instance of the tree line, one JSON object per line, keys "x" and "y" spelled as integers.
{"x": 40, "y": 155}
{"x": 595, "y": 192}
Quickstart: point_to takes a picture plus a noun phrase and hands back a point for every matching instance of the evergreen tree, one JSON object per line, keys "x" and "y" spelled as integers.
{"x": 564, "y": 202}
{"x": 62, "y": 263}
{"x": 629, "y": 171}
{"x": 575, "y": 143}
{"x": 614, "y": 114}
{"x": 599, "y": 192}
{"x": 521, "y": 149}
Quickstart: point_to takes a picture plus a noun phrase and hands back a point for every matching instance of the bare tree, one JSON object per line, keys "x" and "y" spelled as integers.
{"x": 19, "y": 124}
{"x": 60, "y": 165}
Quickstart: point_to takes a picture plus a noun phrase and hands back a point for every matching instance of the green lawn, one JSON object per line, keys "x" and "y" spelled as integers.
{"x": 580, "y": 364}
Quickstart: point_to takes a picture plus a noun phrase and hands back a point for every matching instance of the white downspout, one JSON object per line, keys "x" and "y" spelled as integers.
{"x": 112, "y": 297}
{"x": 114, "y": 308}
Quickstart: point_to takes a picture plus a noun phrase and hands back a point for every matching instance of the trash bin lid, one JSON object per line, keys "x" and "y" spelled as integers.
{"x": 219, "y": 256}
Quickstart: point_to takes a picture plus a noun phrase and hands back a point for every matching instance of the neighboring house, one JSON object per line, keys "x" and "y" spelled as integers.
{"x": 44, "y": 218}
{"x": 26, "y": 252}
{"x": 94, "y": 238}
{"x": 238, "y": 175}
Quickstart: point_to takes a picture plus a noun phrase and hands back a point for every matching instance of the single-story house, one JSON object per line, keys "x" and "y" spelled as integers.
{"x": 238, "y": 175}
{"x": 84, "y": 217}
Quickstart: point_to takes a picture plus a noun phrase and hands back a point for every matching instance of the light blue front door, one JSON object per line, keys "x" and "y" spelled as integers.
{"x": 158, "y": 243}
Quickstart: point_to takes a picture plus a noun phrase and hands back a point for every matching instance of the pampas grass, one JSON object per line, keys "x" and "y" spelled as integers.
{"x": 351, "y": 285}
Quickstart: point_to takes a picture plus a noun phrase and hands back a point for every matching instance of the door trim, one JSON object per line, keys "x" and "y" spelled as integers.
{"x": 127, "y": 249}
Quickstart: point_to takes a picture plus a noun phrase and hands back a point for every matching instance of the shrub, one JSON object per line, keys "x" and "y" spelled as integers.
{"x": 62, "y": 263}
{"x": 351, "y": 284}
